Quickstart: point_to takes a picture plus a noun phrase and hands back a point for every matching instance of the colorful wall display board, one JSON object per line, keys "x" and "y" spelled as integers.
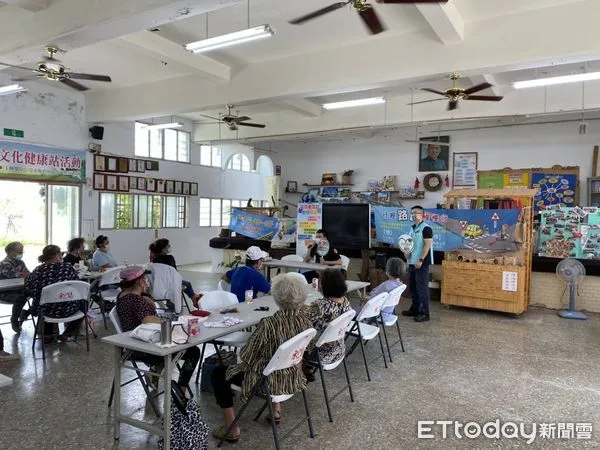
{"x": 516, "y": 179}
{"x": 478, "y": 230}
{"x": 308, "y": 220}
{"x": 253, "y": 226}
{"x": 570, "y": 232}
{"x": 490, "y": 180}
{"x": 554, "y": 190}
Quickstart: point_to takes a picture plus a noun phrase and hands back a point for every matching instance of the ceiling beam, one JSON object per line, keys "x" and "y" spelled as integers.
{"x": 164, "y": 47}
{"x": 445, "y": 21}
{"x": 491, "y": 48}
{"x": 303, "y": 107}
{"x": 29, "y": 5}
{"x": 487, "y": 78}
{"x": 72, "y": 24}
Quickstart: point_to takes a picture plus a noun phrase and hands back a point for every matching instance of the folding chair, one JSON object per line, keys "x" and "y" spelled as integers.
{"x": 287, "y": 355}
{"x": 364, "y": 332}
{"x": 106, "y": 291}
{"x": 215, "y": 300}
{"x": 114, "y": 318}
{"x": 291, "y": 258}
{"x": 222, "y": 285}
{"x": 336, "y": 330}
{"x": 392, "y": 301}
{"x": 62, "y": 292}
{"x": 27, "y": 303}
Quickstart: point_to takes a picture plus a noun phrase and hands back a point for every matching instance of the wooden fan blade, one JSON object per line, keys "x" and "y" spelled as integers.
{"x": 210, "y": 117}
{"x": 87, "y": 76}
{"x": 411, "y": 1}
{"x": 369, "y": 17}
{"x": 477, "y": 88}
{"x": 488, "y": 98}
{"x": 427, "y": 101}
{"x": 318, "y": 13}
{"x": 433, "y": 91}
{"x": 253, "y": 125}
{"x": 242, "y": 119}
{"x": 452, "y": 105}
{"x": 73, "y": 84}
{"x": 32, "y": 77}
{"x": 16, "y": 67}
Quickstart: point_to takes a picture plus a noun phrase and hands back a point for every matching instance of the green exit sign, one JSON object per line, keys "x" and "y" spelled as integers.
{"x": 14, "y": 133}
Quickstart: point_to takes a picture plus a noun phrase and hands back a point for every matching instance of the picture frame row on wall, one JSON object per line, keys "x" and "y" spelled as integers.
{"x": 126, "y": 183}
{"x": 115, "y": 164}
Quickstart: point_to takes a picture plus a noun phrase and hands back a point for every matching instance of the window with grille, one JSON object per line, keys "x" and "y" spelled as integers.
{"x": 167, "y": 144}
{"x": 133, "y": 211}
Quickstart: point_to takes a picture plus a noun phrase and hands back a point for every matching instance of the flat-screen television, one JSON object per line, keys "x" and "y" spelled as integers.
{"x": 348, "y": 225}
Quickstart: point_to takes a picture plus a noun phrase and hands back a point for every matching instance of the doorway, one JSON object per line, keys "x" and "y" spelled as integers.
{"x": 38, "y": 214}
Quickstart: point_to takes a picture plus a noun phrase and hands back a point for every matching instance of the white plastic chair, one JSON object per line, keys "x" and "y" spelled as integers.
{"x": 292, "y": 258}
{"x": 62, "y": 292}
{"x": 345, "y": 262}
{"x": 114, "y": 318}
{"x": 287, "y": 355}
{"x": 392, "y": 301}
{"x": 213, "y": 301}
{"x": 335, "y": 331}
{"x": 222, "y": 285}
{"x": 108, "y": 278}
{"x": 364, "y": 332}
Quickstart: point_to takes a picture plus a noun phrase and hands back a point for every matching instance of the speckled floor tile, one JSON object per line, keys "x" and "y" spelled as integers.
{"x": 463, "y": 365}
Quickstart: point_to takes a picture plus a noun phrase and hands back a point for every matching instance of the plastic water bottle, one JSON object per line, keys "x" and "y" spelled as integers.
{"x": 165, "y": 330}
{"x": 249, "y": 296}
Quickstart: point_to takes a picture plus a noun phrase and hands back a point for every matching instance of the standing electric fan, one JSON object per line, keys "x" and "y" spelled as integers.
{"x": 571, "y": 272}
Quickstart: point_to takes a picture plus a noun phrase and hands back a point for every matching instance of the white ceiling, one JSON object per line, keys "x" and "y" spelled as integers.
{"x": 285, "y": 78}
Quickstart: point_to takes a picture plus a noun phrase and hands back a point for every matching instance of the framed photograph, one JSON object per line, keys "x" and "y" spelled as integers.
{"x": 99, "y": 163}
{"x": 133, "y": 165}
{"x": 123, "y": 165}
{"x": 111, "y": 182}
{"x": 123, "y": 183}
{"x": 141, "y": 184}
{"x": 133, "y": 182}
{"x": 154, "y": 166}
{"x": 150, "y": 185}
{"x": 141, "y": 166}
{"x": 178, "y": 187}
{"x": 292, "y": 186}
{"x": 169, "y": 186}
{"x": 185, "y": 188}
{"x": 99, "y": 181}
{"x": 384, "y": 196}
{"x": 434, "y": 157}
{"x": 111, "y": 164}
{"x": 148, "y": 165}
{"x": 464, "y": 169}
{"x": 194, "y": 189}
{"x": 160, "y": 186}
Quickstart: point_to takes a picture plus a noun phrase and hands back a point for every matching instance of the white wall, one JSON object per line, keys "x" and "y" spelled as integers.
{"x": 388, "y": 154}
{"x": 189, "y": 245}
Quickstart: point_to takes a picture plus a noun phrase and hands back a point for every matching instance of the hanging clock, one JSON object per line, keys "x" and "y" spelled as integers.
{"x": 432, "y": 182}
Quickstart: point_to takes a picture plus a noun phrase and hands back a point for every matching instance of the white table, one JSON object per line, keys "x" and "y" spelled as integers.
{"x": 297, "y": 265}
{"x": 5, "y": 381}
{"x": 124, "y": 344}
{"x": 12, "y": 284}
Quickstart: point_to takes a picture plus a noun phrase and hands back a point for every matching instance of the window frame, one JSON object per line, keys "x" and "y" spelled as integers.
{"x": 211, "y": 156}
{"x": 161, "y": 134}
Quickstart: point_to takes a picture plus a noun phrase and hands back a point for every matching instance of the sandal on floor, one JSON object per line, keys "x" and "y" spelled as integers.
{"x": 277, "y": 418}
{"x": 219, "y": 433}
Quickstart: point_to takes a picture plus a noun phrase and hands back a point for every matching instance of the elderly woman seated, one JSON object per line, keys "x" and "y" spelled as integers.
{"x": 290, "y": 293}
{"x": 395, "y": 268}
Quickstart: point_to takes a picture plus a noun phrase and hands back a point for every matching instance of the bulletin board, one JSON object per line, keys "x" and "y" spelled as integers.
{"x": 557, "y": 185}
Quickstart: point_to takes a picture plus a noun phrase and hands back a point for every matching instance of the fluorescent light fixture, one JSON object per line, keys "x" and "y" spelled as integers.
{"x": 353, "y": 103}
{"x": 162, "y": 126}
{"x": 11, "y": 89}
{"x": 225, "y": 40}
{"x": 557, "y": 80}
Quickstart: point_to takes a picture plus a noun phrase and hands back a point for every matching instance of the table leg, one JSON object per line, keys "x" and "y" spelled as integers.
{"x": 117, "y": 391}
{"x": 269, "y": 274}
{"x": 167, "y": 405}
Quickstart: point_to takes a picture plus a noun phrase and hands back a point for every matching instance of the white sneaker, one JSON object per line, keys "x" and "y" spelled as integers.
{"x": 4, "y": 356}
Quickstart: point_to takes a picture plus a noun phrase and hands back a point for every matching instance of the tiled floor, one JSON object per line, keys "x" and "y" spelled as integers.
{"x": 463, "y": 365}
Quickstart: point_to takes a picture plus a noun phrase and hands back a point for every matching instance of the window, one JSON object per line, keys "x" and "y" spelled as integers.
{"x": 168, "y": 144}
{"x": 210, "y": 156}
{"x": 216, "y": 212}
{"x": 131, "y": 211}
{"x": 239, "y": 162}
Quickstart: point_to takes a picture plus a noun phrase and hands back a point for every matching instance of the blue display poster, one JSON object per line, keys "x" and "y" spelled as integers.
{"x": 253, "y": 226}
{"x": 553, "y": 190}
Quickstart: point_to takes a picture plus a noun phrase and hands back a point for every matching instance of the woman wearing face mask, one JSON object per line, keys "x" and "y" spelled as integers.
{"x": 331, "y": 258}
{"x": 160, "y": 253}
{"x": 135, "y": 307}
{"x": 103, "y": 258}
{"x": 13, "y": 267}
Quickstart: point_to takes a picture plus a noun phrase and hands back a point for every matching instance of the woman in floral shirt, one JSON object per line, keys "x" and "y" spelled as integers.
{"x": 52, "y": 270}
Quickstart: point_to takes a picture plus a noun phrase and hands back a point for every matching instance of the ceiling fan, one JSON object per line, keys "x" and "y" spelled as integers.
{"x": 455, "y": 93}
{"x": 365, "y": 11}
{"x": 234, "y": 120}
{"x": 52, "y": 69}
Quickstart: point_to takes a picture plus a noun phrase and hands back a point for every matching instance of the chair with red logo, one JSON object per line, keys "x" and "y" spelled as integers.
{"x": 363, "y": 332}
{"x": 63, "y": 291}
{"x": 288, "y": 354}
